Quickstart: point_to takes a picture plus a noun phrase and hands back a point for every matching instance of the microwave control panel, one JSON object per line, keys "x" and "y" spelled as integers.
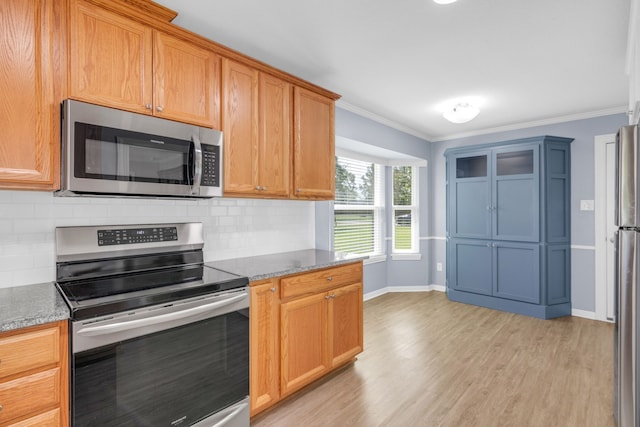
{"x": 128, "y": 236}
{"x": 210, "y": 160}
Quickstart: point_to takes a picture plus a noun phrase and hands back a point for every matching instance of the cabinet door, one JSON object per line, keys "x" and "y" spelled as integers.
{"x": 313, "y": 146}
{"x": 345, "y": 323}
{"x": 516, "y": 194}
{"x": 264, "y": 337}
{"x": 240, "y": 127}
{"x": 471, "y": 265}
{"x": 517, "y": 271}
{"x": 275, "y": 136}
{"x": 303, "y": 342}
{"x": 110, "y": 59}
{"x": 29, "y": 111}
{"x": 470, "y": 195}
{"x": 186, "y": 81}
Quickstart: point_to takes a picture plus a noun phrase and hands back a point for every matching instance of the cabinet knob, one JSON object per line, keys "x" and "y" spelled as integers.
{"x": 488, "y": 245}
{"x": 0, "y": 408}
{"x": 327, "y": 297}
{"x": 298, "y": 190}
{"x": 264, "y": 188}
{"x": 329, "y": 278}
{"x": 148, "y": 106}
{"x": 258, "y": 187}
{"x": 159, "y": 108}
{"x": 333, "y": 295}
{"x": 272, "y": 289}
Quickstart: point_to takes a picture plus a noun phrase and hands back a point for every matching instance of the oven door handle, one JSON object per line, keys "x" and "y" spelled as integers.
{"x": 92, "y": 331}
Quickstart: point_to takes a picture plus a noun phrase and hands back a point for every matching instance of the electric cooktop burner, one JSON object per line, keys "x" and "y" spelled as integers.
{"x": 106, "y": 270}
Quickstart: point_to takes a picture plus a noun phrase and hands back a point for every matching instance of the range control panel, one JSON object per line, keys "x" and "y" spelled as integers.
{"x": 127, "y": 236}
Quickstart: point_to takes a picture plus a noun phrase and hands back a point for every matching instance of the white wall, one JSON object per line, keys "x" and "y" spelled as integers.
{"x": 232, "y": 227}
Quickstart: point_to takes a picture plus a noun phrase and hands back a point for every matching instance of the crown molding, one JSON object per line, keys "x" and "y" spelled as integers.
{"x": 534, "y": 123}
{"x": 522, "y": 125}
{"x": 382, "y": 120}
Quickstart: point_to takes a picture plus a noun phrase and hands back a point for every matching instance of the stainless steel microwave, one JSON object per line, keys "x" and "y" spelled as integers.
{"x": 111, "y": 152}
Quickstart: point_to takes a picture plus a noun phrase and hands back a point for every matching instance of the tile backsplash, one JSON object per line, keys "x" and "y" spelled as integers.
{"x": 232, "y": 227}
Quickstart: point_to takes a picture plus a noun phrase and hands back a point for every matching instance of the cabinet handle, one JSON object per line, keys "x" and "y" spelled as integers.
{"x": 148, "y": 106}
{"x": 159, "y": 108}
{"x": 329, "y": 278}
{"x": 272, "y": 289}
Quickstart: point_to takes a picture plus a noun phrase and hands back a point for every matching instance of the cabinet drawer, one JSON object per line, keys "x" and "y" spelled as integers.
{"x": 321, "y": 280}
{"x": 48, "y": 419}
{"x": 29, "y": 395}
{"x": 29, "y": 350}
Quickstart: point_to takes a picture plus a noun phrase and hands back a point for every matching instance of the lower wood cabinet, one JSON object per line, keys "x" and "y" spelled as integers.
{"x": 34, "y": 376}
{"x": 302, "y": 327}
{"x": 264, "y": 339}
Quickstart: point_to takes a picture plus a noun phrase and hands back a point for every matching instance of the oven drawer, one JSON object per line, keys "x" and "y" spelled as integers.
{"x": 31, "y": 350}
{"x": 29, "y": 395}
{"x": 320, "y": 280}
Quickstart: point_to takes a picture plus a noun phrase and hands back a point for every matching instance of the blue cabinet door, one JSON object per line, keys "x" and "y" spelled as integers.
{"x": 517, "y": 271}
{"x": 470, "y": 267}
{"x": 516, "y": 194}
{"x": 470, "y": 195}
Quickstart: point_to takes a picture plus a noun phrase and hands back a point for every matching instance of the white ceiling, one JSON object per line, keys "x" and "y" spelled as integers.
{"x": 533, "y": 61}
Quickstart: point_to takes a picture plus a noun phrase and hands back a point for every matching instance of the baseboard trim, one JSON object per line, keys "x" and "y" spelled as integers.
{"x": 591, "y": 315}
{"x": 391, "y": 289}
{"x": 584, "y": 314}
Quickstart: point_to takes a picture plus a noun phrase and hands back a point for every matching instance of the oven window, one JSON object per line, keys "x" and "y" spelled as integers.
{"x": 114, "y": 154}
{"x": 170, "y": 378}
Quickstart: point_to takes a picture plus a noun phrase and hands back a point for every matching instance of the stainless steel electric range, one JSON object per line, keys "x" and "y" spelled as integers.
{"x": 157, "y": 337}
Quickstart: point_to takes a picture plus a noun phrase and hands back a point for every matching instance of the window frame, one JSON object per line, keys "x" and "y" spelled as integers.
{"x": 414, "y": 208}
{"x": 378, "y": 208}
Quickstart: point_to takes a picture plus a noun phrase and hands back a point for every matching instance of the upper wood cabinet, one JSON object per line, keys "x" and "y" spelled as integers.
{"x": 256, "y": 126}
{"x": 29, "y": 105}
{"x": 125, "y": 64}
{"x": 313, "y": 145}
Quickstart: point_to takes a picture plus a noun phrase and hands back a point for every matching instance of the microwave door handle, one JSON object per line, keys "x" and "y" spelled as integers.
{"x": 197, "y": 165}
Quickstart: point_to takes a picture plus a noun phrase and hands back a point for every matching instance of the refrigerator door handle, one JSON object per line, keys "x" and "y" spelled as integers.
{"x": 627, "y": 279}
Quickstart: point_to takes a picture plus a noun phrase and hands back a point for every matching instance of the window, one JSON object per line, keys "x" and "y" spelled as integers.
{"x": 359, "y": 207}
{"x": 405, "y": 209}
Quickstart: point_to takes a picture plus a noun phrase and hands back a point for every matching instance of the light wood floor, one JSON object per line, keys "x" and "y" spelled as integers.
{"x": 431, "y": 362}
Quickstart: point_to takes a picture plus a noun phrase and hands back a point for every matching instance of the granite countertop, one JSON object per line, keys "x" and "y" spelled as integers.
{"x": 282, "y": 264}
{"x": 23, "y": 306}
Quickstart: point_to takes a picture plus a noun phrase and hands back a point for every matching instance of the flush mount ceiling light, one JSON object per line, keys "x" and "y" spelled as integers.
{"x": 461, "y": 112}
{"x": 444, "y": 1}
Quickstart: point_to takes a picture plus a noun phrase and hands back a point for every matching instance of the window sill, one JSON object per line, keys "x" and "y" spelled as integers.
{"x": 406, "y": 257}
{"x": 373, "y": 259}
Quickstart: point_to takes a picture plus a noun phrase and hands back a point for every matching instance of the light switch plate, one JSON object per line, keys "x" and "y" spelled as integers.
{"x": 439, "y": 266}
{"x": 586, "y": 205}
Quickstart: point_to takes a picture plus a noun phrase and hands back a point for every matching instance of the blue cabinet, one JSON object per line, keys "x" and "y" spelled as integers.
{"x": 508, "y": 226}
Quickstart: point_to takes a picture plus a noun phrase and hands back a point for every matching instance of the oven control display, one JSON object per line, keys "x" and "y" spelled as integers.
{"x": 128, "y": 236}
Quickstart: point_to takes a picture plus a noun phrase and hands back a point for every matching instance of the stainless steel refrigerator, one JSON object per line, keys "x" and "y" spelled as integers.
{"x": 627, "y": 388}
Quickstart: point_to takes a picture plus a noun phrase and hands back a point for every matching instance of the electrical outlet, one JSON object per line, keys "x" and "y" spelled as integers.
{"x": 439, "y": 266}
{"x": 586, "y": 205}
